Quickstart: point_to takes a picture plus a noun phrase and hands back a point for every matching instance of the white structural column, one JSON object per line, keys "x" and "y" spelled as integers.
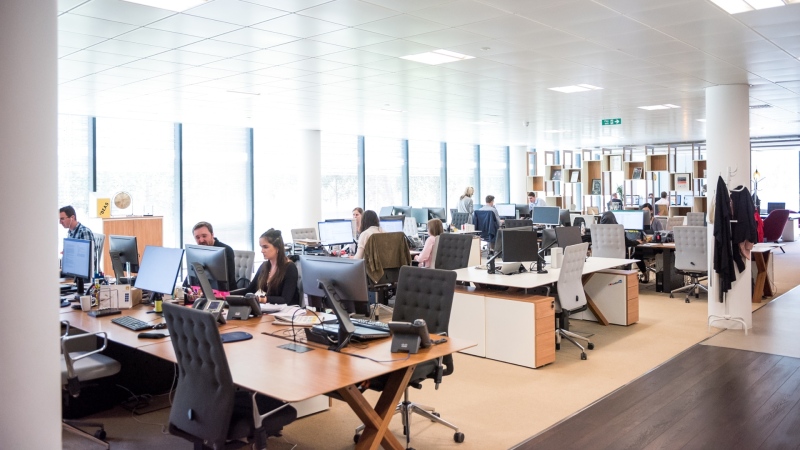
{"x": 517, "y": 173}
{"x": 29, "y": 354}
{"x": 728, "y": 155}
{"x": 309, "y": 154}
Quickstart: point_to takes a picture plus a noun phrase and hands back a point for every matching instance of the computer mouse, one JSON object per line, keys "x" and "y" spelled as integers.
{"x": 160, "y": 326}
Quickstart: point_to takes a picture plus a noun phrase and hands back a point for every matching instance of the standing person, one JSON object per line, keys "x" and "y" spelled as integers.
{"x": 534, "y": 201}
{"x": 203, "y": 234}
{"x": 277, "y": 276}
{"x": 662, "y": 205}
{"x": 369, "y": 226}
{"x": 69, "y": 220}
{"x": 465, "y": 204}
{"x": 358, "y": 213}
{"x": 435, "y": 229}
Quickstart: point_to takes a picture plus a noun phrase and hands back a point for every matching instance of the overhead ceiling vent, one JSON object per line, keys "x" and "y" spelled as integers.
{"x": 760, "y": 106}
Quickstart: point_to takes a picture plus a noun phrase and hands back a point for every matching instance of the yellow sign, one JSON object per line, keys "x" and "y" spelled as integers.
{"x": 104, "y": 207}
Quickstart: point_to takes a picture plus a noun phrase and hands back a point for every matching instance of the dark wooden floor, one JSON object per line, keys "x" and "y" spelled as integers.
{"x": 706, "y": 398}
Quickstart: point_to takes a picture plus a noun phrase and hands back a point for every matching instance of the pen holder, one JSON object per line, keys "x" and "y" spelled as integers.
{"x": 555, "y": 258}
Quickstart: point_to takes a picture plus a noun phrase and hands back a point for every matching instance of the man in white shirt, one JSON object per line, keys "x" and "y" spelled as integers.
{"x": 534, "y": 201}
{"x": 662, "y": 205}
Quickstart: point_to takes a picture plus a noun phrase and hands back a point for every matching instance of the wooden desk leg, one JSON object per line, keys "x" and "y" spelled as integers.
{"x": 761, "y": 277}
{"x": 591, "y": 304}
{"x": 767, "y": 281}
{"x": 376, "y": 421}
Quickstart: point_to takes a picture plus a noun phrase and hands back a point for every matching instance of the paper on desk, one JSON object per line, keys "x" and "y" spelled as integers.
{"x": 268, "y": 308}
{"x": 300, "y": 316}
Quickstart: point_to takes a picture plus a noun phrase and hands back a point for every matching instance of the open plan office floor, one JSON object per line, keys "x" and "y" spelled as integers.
{"x": 499, "y": 405}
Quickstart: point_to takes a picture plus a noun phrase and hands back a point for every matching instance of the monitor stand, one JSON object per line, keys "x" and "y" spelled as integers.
{"x": 205, "y": 285}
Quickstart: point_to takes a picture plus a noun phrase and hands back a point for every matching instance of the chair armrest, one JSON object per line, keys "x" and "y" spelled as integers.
{"x": 66, "y": 327}
{"x": 258, "y": 418}
{"x": 73, "y": 384}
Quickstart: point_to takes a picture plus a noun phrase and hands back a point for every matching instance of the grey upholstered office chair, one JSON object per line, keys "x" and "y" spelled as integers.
{"x": 82, "y": 361}
{"x": 691, "y": 258}
{"x": 208, "y": 410}
{"x": 459, "y": 219}
{"x": 675, "y": 221}
{"x": 99, "y": 242}
{"x": 423, "y": 294}
{"x": 452, "y": 251}
{"x": 571, "y": 298}
{"x": 299, "y": 234}
{"x": 608, "y": 240}
{"x": 696, "y": 219}
{"x": 243, "y": 262}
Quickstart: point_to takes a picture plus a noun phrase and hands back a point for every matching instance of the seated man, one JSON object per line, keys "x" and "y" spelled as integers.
{"x": 68, "y": 219}
{"x": 615, "y": 203}
{"x": 533, "y": 200}
{"x": 204, "y": 235}
{"x": 489, "y": 206}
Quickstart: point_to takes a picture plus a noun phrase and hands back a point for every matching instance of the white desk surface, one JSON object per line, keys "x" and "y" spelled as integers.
{"x": 529, "y": 280}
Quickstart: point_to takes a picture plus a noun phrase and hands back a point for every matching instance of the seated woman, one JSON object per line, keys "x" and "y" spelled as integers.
{"x": 609, "y": 218}
{"x": 655, "y": 225}
{"x": 277, "y": 276}
{"x": 435, "y": 229}
{"x": 369, "y": 226}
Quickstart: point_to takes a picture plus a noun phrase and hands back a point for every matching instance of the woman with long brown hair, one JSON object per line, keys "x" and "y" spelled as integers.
{"x": 277, "y": 276}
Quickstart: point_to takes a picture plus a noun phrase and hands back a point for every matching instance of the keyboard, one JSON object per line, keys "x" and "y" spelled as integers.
{"x": 362, "y": 333}
{"x": 132, "y": 324}
{"x": 104, "y": 312}
{"x": 372, "y": 324}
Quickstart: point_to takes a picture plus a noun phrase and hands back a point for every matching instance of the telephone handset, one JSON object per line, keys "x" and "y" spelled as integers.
{"x": 409, "y": 337}
{"x": 212, "y": 306}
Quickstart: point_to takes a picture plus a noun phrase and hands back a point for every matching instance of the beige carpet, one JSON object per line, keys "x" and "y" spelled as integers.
{"x": 497, "y": 405}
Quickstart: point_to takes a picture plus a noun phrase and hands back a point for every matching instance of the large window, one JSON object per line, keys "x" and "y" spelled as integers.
{"x": 339, "y": 181}
{"x": 461, "y": 166}
{"x": 494, "y": 173}
{"x": 425, "y": 174}
{"x": 383, "y": 164}
{"x": 216, "y": 183}
{"x": 780, "y": 176}
{"x": 138, "y": 157}
{"x": 73, "y": 163}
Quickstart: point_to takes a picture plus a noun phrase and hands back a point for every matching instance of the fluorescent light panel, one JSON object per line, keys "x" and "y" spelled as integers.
{"x": 575, "y": 88}
{"x": 437, "y": 57}
{"x": 172, "y": 5}
{"x": 740, "y": 6}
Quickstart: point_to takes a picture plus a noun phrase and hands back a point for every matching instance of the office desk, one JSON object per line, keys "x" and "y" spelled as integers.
{"x": 670, "y": 279}
{"x": 761, "y": 255}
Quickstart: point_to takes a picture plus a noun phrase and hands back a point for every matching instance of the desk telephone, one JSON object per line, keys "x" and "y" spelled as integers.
{"x": 414, "y": 242}
{"x": 212, "y": 306}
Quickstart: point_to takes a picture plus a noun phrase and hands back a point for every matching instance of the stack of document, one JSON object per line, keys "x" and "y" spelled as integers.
{"x": 299, "y": 317}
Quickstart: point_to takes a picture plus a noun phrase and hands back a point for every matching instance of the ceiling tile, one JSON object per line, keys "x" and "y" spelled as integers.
{"x": 446, "y": 38}
{"x": 307, "y": 47}
{"x": 289, "y": 5}
{"x": 316, "y": 65}
{"x": 157, "y": 66}
{"x": 235, "y": 11}
{"x": 77, "y": 40}
{"x": 504, "y": 26}
{"x": 398, "y": 47}
{"x": 270, "y": 57}
{"x": 64, "y": 51}
{"x": 608, "y": 26}
{"x": 218, "y": 48}
{"x": 771, "y": 16}
{"x": 255, "y": 38}
{"x": 121, "y": 11}
{"x": 297, "y": 25}
{"x": 408, "y": 5}
{"x": 570, "y": 12}
{"x": 484, "y": 49}
{"x": 321, "y": 78}
{"x": 282, "y": 72}
{"x": 91, "y": 26}
{"x": 355, "y": 72}
{"x": 353, "y": 38}
{"x": 402, "y": 26}
{"x": 354, "y": 57}
{"x": 236, "y": 65}
{"x": 184, "y": 57}
{"x": 194, "y": 26}
{"x": 349, "y": 12}
{"x": 159, "y": 38}
{"x": 66, "y": 5}
{"x": 128, "y": 48}
{"x": 76, "y": 69}
{"x": 393, "y": 65}
{"x": 92, "y": 56}
{"x": 459, "y": 12}
{"x": 207, "y": 72}
{"x": 543, "y": 38}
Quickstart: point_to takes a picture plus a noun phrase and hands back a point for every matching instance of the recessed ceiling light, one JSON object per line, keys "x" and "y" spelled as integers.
{"x": 740, "y": 6}
{"x": 172, "y": 5}
{"x": 575, "y": 88}
{"x": 437, "y": 57}
{"x": 764, "y": 4}
{"x": 655, "y": 107}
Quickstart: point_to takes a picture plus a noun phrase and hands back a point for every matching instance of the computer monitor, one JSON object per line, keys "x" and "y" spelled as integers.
{"x": 498, "y": 243}
{"x": 564, "y": 218}
{"x": 437, "y": 213}
{"x": 159, "y": 269}
{"x": 123, "y": 250}
{"x": 506, "y": 211}
{"x": 520, "y": 246}
{"x": 630, "y": 220}
{"x": 398, "y": 217}
{"x": 386, "y": 211}
{"x": 772, "y": 206}
{"x": 76, "y": 261}
{"x": 404, "y": 210}
{"x": 207, "y": 268}
{"x": 420, "y": 215}
{"x": 566, "y": 236}
{"x": 545, "y": 215}
{"x": 336, "y": 233}
{"x": 646, "y": 219}
{"x": 392, "y": 225}
{"x": 523, "y": 210}
{"x": 338, "y": 281}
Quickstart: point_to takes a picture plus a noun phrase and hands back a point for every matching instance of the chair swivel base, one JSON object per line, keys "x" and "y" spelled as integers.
{"x": 98, "y": 437}
{"x": 692, "y": 288}
{"x": 570, "y": 336}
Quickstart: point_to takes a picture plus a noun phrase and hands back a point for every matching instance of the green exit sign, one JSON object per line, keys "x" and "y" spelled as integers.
{"x": 612, "y": 121}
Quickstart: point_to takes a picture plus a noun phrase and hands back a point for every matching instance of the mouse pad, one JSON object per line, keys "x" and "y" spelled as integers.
{"x": 235, "y": 336}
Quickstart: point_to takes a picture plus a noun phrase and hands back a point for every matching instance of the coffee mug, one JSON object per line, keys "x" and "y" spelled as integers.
{"x": 86, "y": 302}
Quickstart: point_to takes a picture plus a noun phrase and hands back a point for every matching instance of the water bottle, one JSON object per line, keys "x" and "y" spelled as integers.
{"x": 583, "y": 228}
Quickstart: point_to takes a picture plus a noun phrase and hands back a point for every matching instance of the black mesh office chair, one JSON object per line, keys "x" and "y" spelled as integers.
{"x": 423, "y": 294}
{"x": 208, "y": 410}
{"x": 452, "y": 251}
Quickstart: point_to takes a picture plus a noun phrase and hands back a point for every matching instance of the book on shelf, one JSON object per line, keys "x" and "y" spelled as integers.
{"x": 637, "y": 173}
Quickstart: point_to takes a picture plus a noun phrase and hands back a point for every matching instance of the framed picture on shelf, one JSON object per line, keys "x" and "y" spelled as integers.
{"x": 557, "y": 175}
{"x": 682, "y": 181}
{"x": 616, "y": 162}
{"x": 596, "y": 187}
{"x": 574, "y": 176}
{"x": 637, "y": 173}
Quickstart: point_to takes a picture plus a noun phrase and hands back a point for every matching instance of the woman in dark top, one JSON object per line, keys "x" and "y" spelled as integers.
{"x": 277, "y": 276}
{"x": 608, "y": 217}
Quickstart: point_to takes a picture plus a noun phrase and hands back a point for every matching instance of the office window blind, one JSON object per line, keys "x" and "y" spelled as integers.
{"x": 424, "y": 174}
{"x": 339, "y": 183}
{"x": 215, "y": 183}
{"x": 494, "y": 173}
{"x": 383, "y": 164}
{"x": 138, "y": 157}
{"x": 461, "y": 166}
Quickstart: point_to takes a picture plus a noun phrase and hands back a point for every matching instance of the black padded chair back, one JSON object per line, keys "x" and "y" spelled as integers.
{"x": 578, "y": 222}
{"x": 204, "y": 398}
{"x": 452, "y": 251}
{"x": 425, "y": 294}
{"x": 458, "y": 219}
{"x": 518, "y": 223}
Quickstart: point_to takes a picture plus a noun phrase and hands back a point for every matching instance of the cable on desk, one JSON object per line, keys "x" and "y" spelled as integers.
{"x": 376, "y": 360}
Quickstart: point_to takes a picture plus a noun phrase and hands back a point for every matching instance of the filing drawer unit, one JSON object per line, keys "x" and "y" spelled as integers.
{"x": 616, "y": 294}
{"x": 511, "y": 327}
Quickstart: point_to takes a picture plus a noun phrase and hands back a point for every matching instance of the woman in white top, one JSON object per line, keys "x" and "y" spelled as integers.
{"x": 435, "y": 229}
{"x": 465, "y": 204}
{"x": 369, "y": 226}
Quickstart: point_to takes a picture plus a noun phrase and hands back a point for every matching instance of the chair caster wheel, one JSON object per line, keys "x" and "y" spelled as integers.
{"x": 100, "y": 434}
{"x": 356, "y": 437}
{"x": 558, "y": 346}
{"x": 671, "y": 296}
{"x": 590, "y": 346}
{"x": 458, "y": 437}
{"x": 687, "y": 300}
{"x": 583, "y": 356}
{"x": 436, "y": 414}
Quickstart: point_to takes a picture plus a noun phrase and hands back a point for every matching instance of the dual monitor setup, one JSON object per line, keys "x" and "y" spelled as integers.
{"x": 519, "y": 246}
{"x": 421, "y": 215}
